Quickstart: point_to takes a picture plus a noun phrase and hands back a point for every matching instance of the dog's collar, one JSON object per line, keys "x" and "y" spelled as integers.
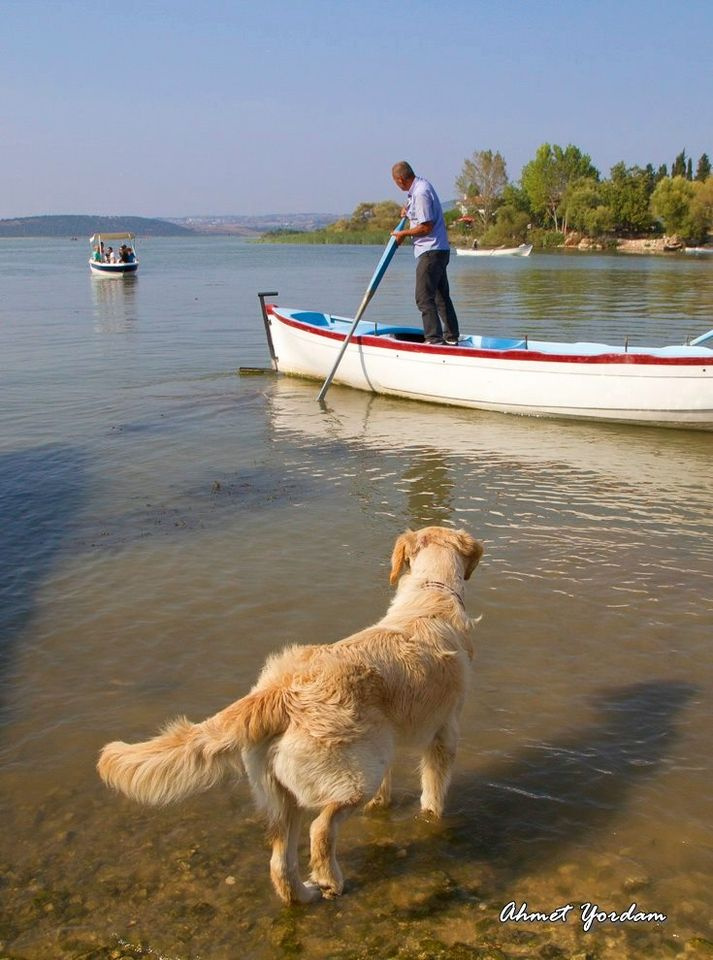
{"x": 439, "y": 585}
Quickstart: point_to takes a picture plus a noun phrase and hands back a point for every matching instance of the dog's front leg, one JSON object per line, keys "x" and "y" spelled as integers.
{"x": 323, "y": 849}
{"x": 436, "y": 767}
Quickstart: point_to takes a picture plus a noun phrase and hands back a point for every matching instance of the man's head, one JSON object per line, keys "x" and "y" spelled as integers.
{"x": 403, "y": 175}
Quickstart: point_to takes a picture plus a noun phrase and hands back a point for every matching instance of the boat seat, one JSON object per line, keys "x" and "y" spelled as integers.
{"x": 312, "y": 317}
{"x": 502, "y": 343}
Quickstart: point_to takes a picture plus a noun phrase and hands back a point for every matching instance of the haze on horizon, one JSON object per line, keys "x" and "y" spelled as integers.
{"x": 173, "y": 109}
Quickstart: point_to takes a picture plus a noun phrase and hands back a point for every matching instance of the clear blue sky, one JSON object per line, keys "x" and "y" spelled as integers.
{"x": 158, "y": 108}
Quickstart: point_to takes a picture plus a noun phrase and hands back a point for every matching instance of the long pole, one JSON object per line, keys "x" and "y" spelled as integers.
{"x": 266, "y": 321}
{"x": 391, "y": 248}
{"x": 699, "y": 341}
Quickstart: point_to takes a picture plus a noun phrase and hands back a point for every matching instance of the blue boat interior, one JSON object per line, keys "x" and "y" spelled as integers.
{"x": 313, "y": 318}
{"x": 415, "y": 335}
{"x": 502, "y": 343}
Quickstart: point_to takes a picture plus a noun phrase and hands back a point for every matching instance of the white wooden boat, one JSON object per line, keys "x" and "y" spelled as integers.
{"x": 669, "y": 386}
{"x": 524, "y": 250}
{"x": 99, "y": 263}
{"x": 698, "y": 251}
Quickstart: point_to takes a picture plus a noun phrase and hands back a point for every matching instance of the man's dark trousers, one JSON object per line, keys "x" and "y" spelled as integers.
{"x": 433, "y": 297}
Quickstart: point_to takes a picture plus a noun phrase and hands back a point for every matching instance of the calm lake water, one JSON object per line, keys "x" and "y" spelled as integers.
{"x": 167, "y": 523}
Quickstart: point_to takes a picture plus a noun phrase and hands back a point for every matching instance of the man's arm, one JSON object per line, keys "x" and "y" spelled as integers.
{"x": 420, "y": 230}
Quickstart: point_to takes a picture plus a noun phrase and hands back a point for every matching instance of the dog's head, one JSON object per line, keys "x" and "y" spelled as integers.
{"x": 412, "y": 541}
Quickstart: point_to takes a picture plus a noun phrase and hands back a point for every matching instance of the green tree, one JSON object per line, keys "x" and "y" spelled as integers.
{"x": 509, "y": 229}
{"x": 386, "y": 214}
{"x": 581, "y": 197}
{"x": 546, "y": 178}
{"x": 481, "y": 184}
{"x": 514, "y": 196}
{"x": 599, "y": 221}
{"x": 628, "y": 194}
{"x": 671, "y": 203}
{"x": 678, "y": 168}
{"x": 373, "y": 216}
{"x": 703, "y": 170}
{"x": 701, "y": 211}
{"x": 363, "y": 214}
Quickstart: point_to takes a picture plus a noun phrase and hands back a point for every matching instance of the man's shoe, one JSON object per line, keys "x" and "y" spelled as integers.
{"x": 452, "y": 341}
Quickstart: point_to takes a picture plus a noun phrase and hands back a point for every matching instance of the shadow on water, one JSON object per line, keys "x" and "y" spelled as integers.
{"x": 527, "y": 811}
{"x": 41, "y": 489}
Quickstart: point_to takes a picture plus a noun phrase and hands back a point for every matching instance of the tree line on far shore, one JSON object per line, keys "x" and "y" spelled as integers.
{"x": 561, "y": 191}
{"x": 560, "y": 195}
{"x": 369, "y": 223}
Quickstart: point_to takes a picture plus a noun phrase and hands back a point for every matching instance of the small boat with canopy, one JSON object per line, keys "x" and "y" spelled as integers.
{"x": 109, "y": 259}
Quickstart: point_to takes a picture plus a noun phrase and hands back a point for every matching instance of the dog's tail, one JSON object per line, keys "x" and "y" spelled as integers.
{"x": 187, "y": 758}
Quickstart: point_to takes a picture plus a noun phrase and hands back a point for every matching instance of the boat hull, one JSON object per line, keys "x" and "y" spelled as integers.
{"x": 115, "y": 270}
{"x": 672, "y": 390}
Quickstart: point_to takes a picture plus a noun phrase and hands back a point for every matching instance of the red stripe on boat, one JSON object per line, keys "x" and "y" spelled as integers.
{"x": 431, "y": 349}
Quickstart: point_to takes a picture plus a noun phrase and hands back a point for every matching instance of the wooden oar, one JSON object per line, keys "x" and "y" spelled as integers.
{"x": 391, "y": 248}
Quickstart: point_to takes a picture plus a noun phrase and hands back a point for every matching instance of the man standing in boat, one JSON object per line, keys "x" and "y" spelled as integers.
{"x": 432, "y": 251}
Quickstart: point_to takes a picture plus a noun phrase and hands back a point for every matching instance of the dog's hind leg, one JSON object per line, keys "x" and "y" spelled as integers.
{"x": 382, "y": 797}
{"x": 436, "y": 767}
{"x": 323, "y": 842}
{"x": 284, "y": 866}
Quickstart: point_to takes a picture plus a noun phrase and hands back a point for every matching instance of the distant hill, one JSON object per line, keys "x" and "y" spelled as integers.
{"x": 85, "y": 226}
{"x": 254, "y": 225}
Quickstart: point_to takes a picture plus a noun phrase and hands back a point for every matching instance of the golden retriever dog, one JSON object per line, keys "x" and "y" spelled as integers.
{"x": 319, "y": 729}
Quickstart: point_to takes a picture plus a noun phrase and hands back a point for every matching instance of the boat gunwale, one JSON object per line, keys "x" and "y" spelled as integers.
{"x": 625, "y": 359}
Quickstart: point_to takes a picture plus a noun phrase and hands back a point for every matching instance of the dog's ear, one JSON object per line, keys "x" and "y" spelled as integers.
{"x": 471, "y": 549}
{"x": 403, "y": 551}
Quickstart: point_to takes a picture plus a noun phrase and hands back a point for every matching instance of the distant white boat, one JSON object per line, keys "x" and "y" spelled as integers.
{"x": 698, "y": 250}
{"x": 100, "y": 263}
{"x": 524, "y": 250}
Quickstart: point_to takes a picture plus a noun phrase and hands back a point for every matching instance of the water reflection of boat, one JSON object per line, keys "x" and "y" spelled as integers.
{"x": 115, "y": 307}
{"x": 669, "y": 465}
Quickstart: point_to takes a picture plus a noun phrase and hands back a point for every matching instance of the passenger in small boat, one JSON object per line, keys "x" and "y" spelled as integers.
{"x": 130, "y": 255}
{"x": 432, "y": 252}
{"x": 97, "y": 255}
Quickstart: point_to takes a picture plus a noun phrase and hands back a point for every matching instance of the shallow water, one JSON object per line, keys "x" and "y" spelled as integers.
{"x": 168, "y": 523}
